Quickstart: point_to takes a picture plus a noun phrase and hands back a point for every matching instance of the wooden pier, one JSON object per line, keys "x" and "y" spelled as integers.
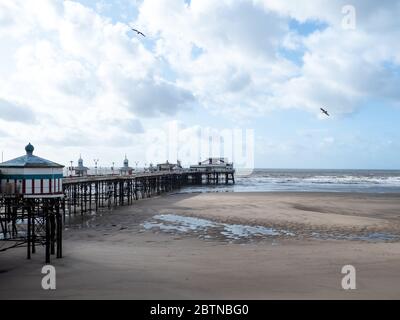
{"x": 34, "y": 221}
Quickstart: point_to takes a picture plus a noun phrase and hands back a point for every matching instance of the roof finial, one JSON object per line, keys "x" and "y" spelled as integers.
{"x": 29, "y": 149}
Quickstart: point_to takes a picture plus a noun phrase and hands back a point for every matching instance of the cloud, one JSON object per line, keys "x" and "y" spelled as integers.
{"x": 14, "y": 112}
{"x": 239, "y": 65}
{"x": 65, "y": 56}
{"x": 149, "y": 98}
{"x": 87, "y": 78}
{"x": 129, "y": 125}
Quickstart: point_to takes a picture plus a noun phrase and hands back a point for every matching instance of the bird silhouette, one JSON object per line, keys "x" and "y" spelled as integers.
{"x": 325, "y": 112}
{"x": 138, "y": 32}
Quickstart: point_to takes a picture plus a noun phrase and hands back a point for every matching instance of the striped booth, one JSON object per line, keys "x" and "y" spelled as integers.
{"x": 31, "y": 176}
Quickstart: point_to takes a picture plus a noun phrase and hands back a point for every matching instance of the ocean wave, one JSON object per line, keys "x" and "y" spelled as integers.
{"x": 311, "y": 181}
{"x": 394, "y": 181}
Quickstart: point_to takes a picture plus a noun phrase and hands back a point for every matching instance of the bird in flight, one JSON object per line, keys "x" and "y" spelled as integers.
{"x": 138, "y": 32}
{"x": 325, "y": 112}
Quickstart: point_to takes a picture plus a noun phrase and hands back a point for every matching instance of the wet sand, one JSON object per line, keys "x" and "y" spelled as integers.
{"x": 112, "y": 255}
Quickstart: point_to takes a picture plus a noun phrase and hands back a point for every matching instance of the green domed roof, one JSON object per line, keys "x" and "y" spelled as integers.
{"x": 29, "y": 149}
{"x": 29, "y": 161}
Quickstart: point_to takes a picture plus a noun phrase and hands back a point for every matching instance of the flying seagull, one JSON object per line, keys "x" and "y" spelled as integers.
{"x": 138, "y": 32}
{"x": 325, "y": 112}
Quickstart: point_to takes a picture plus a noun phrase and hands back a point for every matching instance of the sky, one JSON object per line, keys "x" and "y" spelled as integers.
{"x": 75, "y": 79}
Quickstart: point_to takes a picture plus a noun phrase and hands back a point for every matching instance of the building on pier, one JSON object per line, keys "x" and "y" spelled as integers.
{"x": 212, "y": 164}
{"x": 31, "y": 196}
{"x": 126, "y": 170}
{"x": 169, "y": 166}
{"x": 81, "y": 170}
{"x": 30, "y": 175}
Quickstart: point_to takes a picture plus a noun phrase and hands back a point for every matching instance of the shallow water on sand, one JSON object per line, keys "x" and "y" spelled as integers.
{"x": 208, "y": 229}
{"x": 182, "y": 224}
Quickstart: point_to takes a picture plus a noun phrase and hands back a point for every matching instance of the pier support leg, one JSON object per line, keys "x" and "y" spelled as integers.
{"x": 47, "y": 236}
{"x": 29, "y": 233}
{"x": 52, "y": 233}
{"x": 33, "y": 229}
{"x": 59, "y": 232}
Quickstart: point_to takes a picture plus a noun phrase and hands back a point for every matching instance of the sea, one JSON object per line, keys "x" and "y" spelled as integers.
{"x": 301, "y": 180}
{"x": 304, "y": 180}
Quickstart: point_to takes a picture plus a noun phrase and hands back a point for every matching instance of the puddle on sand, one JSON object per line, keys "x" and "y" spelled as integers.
{"x": 207, "y": 229}
{"x": 370, "y": 237}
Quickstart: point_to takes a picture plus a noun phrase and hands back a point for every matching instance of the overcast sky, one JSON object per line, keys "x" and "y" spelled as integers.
{"x": 75, "y": 79}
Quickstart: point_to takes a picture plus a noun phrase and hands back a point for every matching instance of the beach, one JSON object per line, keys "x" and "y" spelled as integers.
{"x": 223, "y": 245}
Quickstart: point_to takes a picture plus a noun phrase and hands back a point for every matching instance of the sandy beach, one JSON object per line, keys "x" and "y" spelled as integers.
{"x": 222, "y": 246}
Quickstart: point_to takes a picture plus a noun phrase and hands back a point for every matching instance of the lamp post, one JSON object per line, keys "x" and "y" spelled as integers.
{"x": 95, "y": 166}
{"x": 71, "y": 168}
{"x": 136, "y": 163}
{"x": 113, "y": 168}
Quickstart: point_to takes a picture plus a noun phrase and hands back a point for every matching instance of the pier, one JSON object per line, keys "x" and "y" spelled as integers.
{"x": 83, "y": 194}
{"x": 36, "y": 219}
